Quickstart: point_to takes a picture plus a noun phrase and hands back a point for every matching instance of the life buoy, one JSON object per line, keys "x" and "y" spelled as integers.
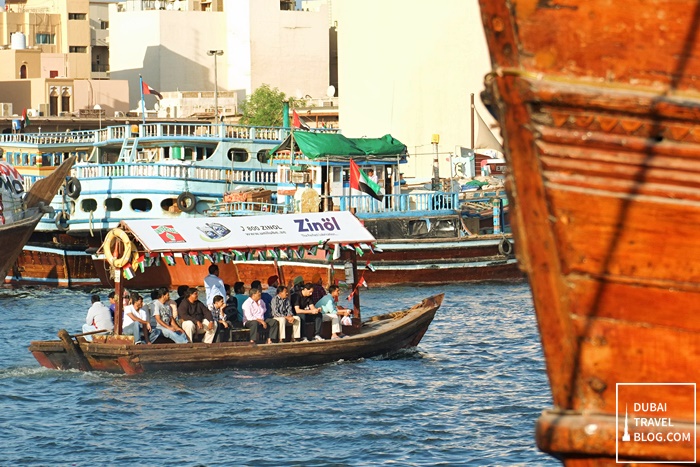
{"x": 61, "y": 220}
{"x": 107, "y": 247}
{"x": 73, "y": 187}
{"x": 186, "y": 201}
{"x": 505, "y": 247}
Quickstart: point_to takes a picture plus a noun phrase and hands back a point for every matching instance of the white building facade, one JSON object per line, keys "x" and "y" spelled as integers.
{"x": 408, "y": 68}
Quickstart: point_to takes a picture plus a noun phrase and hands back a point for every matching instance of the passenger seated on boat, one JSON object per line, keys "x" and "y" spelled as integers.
{"x": 213, "y": 285}
{"x": 304, "y": 308}
{"x": 112, "y": 304}
{"x": 195, "y": 316}
{"x": 295, "y": 287}
{"x": 332, "y": 311}
{"x": 136, "y": 323}
{"x": 254, "y": 317}
{"x": 266, "y": 297}
{"x": 231, "y": 308}
{"x": 318, "y": 292}
{"x": 241, "y": 297}
{"x": 98, "y": 317}
{"x": 181, "y": 291}
{"x": 163, "y": 310}
{"x": 223, "y": 331}
{"x": 281, "y": 309}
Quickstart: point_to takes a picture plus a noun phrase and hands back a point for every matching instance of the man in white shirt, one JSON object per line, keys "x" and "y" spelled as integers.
{"x": 98, "y": 317}
{"x": 213, "y": 285}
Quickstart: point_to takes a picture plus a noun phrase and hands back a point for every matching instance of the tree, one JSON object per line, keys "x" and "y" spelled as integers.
{"x": 263, "y": 107}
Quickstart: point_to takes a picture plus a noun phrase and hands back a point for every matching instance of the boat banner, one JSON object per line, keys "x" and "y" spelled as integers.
{"x": 264, "y": 232}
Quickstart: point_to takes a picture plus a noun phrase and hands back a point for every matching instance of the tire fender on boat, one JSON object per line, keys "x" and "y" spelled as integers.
{"x": 505, "y": 247}
{"x": 61, "y": 220}
{"x": 73, "y": 188}
{"x": 186, "y": 201}
{"x": 107, "y": 247}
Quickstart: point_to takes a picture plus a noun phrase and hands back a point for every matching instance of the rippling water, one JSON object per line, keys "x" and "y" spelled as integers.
{"x": 469, "y": 395}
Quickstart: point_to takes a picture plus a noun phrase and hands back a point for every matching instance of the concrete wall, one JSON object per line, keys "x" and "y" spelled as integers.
{"x": 285, "y": 49}
{"x": 13, "y": 60}
{"x": 408, "y": 68}
{"x": 169, "y": 50}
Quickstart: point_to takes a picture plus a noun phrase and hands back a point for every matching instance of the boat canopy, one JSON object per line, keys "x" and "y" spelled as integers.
{"x": 336, "y": 146}
{"x": 249, "y": 232}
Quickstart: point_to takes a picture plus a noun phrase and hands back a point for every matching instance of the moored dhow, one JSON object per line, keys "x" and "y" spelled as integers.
{"x": 174, "y": 171}
{"x": 598, "y": 106}
{"x": 21, "y": 211}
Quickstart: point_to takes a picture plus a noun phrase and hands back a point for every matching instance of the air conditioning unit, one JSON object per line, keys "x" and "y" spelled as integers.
{"x": 118, "y": 113}
{"x": 64, "y": 114}
{"x": 300, "y": 177}
{"x": 33, "y": 112}
{"x": 6, "y": 109}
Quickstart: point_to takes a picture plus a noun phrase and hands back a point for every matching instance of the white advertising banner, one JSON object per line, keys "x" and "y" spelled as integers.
{"x": 250, "y": 232}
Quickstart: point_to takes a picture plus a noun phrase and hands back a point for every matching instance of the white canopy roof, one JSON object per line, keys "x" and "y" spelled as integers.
{"x": 250, "y": 232}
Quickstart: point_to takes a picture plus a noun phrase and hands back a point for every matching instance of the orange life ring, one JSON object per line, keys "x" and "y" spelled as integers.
{"x": 107, "y": 247}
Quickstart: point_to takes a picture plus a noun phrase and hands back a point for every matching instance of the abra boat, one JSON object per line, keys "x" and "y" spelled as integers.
{"x": 598, "y": 105}
{"x": 252, "y": 237}
{"x": 20, "y": 212}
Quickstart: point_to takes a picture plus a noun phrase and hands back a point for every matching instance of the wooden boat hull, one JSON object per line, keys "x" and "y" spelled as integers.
{"x": 400, "y": 262}
{"x": 376, "y": 337}
{"x": 14, "y": 236}
{"x": 54, "y": 266}
{"x": 602, "y": 142}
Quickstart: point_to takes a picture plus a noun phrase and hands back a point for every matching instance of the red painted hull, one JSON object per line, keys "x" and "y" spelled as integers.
{"x": 417, "y": 262}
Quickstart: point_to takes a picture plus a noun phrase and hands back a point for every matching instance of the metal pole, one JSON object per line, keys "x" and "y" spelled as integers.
{"x": 216, "y": 91}
{"x": 216, "y": 53}
{"x": 472, "y": 108}
{"x": 436, "y": 164}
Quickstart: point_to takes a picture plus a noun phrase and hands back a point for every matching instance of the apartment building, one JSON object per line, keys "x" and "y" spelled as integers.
{"x": 45, "y": 58}
{"x": 258, "y": 42}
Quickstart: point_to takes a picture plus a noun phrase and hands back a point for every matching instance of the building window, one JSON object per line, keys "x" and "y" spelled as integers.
{"x": 104, "y": 24}
{"x": 78, "y": 16}
{"x": 43, "y": 38}
{"x": 77, "y": 49}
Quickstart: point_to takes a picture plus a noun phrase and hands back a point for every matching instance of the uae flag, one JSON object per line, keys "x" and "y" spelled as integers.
{"x": 360, "y": 181}
{"x": 297, "y": 122}
{"x": 146, "y": 89}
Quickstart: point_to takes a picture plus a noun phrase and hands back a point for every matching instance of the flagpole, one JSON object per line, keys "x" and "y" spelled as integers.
{"x": 143, "y": 101}
{"x": 472, "y": 109}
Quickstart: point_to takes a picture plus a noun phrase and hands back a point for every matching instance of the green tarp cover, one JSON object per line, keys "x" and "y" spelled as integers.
{"x": 317, "y": 145}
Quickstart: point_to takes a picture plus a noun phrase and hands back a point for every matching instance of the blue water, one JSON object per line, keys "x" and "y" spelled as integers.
{"x": 469, "y": 395}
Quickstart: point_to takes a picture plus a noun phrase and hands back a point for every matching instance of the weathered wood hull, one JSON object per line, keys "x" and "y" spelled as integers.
{"x": 15, "y": 235}
{"x": 400, "y": 262}
{"x": 53, "y": 266}
{"x": 376, "y": 337}
{"x": 599, "y": 111}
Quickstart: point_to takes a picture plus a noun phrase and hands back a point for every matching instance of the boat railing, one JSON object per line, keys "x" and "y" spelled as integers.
{"x": 154, "y": 170}
{"x": 154, "y": 130}
{"x": 248, "y": 208}
{"x": 405, "y": 202}
{"x": 68, "y": 137}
